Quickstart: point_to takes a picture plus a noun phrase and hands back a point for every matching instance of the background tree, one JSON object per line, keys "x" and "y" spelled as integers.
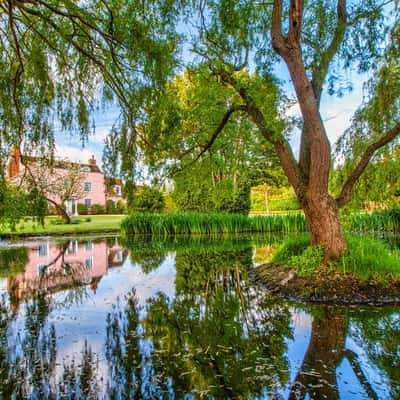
{"x": 209, "y": 174}
{"x": 56, "y": 181}
{"x": 363, "y": 142}
{"x": 147, "y": 199}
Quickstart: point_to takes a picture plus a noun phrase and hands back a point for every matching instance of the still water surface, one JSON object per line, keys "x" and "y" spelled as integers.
{"x": 179, "y": 319}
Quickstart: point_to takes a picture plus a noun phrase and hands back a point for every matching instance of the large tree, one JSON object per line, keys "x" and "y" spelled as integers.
{"x": 313, "y": 40}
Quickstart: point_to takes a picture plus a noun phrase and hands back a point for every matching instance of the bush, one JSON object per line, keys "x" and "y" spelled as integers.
{"x": 96, "y": 209}
{"x": 147, "y": 199}
{"x": 191, "y": 195}
{"x": 82, "y": 209}
{"x": 115, "y": 208}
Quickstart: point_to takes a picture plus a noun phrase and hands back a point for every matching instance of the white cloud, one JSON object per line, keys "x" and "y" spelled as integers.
{"x": 77, "y": 154}
{"x": 100, "y": 135}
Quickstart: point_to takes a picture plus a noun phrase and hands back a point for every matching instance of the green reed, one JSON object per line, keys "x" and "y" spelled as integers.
{"x": 378, "y": 221}
{"x": 196, "y": 223}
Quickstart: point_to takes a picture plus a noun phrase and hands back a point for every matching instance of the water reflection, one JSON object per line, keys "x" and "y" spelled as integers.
{"x": 215, "y": 336}
{"x": 55, "y": 266}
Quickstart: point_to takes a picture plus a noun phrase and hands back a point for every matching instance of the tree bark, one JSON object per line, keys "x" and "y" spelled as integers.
{"x": 322, "y": 217}
{"x": 60, "y": 210}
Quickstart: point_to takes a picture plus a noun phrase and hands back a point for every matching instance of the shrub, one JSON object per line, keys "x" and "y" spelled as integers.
{"x": 115, "y": 207}
{"x": 147, "y": 199}
{"x": 82, "y": 209}
{"x": 96, "y": 209}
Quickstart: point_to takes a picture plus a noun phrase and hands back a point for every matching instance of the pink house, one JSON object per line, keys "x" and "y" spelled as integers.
{"x": 95, "y": 187}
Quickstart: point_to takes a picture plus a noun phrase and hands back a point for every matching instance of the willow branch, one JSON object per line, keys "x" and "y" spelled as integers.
{"x": 387, "y": 137}
{"x": 321, "y": 68}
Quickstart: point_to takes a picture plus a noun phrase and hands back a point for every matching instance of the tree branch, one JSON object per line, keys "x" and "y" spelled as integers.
{"x": 277, "y": 38}
{"x": 320, "y": 70}
{"x": 345, "y": 194}
{"x": 219, "y": 129}
{"x": 295, "y": 21}
{"x": 282, "y": 148}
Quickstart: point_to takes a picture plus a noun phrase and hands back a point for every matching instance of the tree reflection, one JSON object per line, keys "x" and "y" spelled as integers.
{"x": 216, "y": 339}
{"x": 326, "y": 350}
{"x": 379, "y": 336}
{"x": 28, "y": 358}
{"x": 123, "y": 354}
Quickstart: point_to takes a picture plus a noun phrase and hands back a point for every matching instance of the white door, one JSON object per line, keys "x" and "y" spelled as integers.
{"x": 68, "y": 207}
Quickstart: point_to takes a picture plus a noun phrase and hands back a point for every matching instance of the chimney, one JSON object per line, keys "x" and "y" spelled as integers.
{"x": 15, "y": 162}
{"x": 92, "y": 161}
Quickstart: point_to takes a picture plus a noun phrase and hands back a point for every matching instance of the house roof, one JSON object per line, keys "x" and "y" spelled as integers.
{"x": 64, "y": 164}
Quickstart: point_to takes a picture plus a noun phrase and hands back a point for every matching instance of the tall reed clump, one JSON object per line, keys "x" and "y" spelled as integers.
{"x": 378, "y": 221}
{"x": 196, "y": 223}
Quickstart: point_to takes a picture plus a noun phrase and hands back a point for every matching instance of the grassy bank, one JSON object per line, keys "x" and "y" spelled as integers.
{"x": 194, "y": 223}
{"x": 369, "y": 273}
{"x": 56, "y": 226}
{"x": 366, "y": 258}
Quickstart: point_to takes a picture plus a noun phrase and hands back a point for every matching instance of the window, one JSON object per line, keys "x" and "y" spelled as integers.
{"x": 42, "y": 269}
{"x": 118, "y": 256}
{"x": 85, "y": 169}
{"x": 117, "y": 190}
{"x": 88, "y": 245}
{"x": 72, "y": 248}
{"x": 88, "y": 202}
{"x": 42, "y": 250}
{"x": 87, "y": 186}
{"x": 89, "y": 262}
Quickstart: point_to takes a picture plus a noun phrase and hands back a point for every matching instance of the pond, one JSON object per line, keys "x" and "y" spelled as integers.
{"x": 179, "y": 319}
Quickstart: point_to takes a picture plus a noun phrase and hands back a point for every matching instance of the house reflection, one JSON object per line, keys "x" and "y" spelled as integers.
{"x": 57, "y": 266}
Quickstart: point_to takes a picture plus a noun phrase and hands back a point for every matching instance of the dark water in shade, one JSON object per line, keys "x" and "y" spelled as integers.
{"x": 179, "y": 319}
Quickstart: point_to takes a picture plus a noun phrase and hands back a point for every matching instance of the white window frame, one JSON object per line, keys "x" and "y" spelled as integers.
{"x": 42, "y": 246}
{"x": 89, "y": 185}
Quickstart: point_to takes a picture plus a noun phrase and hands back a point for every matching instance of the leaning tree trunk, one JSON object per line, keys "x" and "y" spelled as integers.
{"x": 60, "y": 210}
{"x": 322, "y": 217}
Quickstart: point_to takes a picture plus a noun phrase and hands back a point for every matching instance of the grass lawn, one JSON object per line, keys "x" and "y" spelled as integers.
{"x": 55, "y": 226}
